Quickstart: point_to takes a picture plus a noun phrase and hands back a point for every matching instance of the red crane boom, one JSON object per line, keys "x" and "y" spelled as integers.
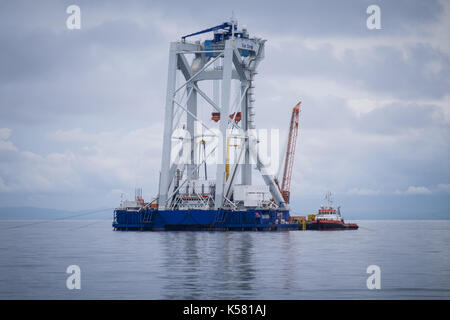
{"x": 290, "y": 153}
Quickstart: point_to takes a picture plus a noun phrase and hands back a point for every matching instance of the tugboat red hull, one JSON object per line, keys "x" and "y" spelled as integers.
{"x": 330, "y": 225}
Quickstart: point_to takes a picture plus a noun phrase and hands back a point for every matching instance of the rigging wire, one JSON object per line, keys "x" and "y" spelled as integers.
{"x": 58, "y": 219}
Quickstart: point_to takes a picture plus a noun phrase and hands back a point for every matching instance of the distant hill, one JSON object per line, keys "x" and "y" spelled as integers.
{"x": 33, "y": 213}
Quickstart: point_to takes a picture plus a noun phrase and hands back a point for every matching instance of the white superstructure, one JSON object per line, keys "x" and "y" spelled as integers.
{"x": 228, "y": 61}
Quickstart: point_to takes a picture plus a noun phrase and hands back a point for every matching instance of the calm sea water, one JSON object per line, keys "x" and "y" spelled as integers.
{"x": 414, "y": 257}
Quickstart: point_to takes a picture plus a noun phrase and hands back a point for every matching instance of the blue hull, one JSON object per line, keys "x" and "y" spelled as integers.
{"x": 152, "y": 220}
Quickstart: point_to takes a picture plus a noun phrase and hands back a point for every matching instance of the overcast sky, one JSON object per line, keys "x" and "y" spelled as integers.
{"x": 81, "y": 111}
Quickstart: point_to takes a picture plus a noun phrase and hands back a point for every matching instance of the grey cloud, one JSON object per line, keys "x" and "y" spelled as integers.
{"x": 78, "y": 72}
{"x": 42, "y": 53}
{"x": 388, "y": 71}
{"x": 39, "y": 60}
{"x": 397, "y": 117}
{"x": 307, "y": 18}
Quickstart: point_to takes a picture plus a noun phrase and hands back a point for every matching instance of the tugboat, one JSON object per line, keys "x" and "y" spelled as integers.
{"x": 328, "y": 218}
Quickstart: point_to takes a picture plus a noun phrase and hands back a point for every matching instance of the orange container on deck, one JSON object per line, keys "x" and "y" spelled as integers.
{"x": 154, "y": 205}
{"x": 215, "y": 116}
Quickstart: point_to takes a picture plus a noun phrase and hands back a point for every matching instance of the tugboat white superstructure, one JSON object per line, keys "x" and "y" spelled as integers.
{"x": 329, "y": 218}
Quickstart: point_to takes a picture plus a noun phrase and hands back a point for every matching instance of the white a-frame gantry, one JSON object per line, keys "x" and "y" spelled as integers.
{"x": 230, "y": 55}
